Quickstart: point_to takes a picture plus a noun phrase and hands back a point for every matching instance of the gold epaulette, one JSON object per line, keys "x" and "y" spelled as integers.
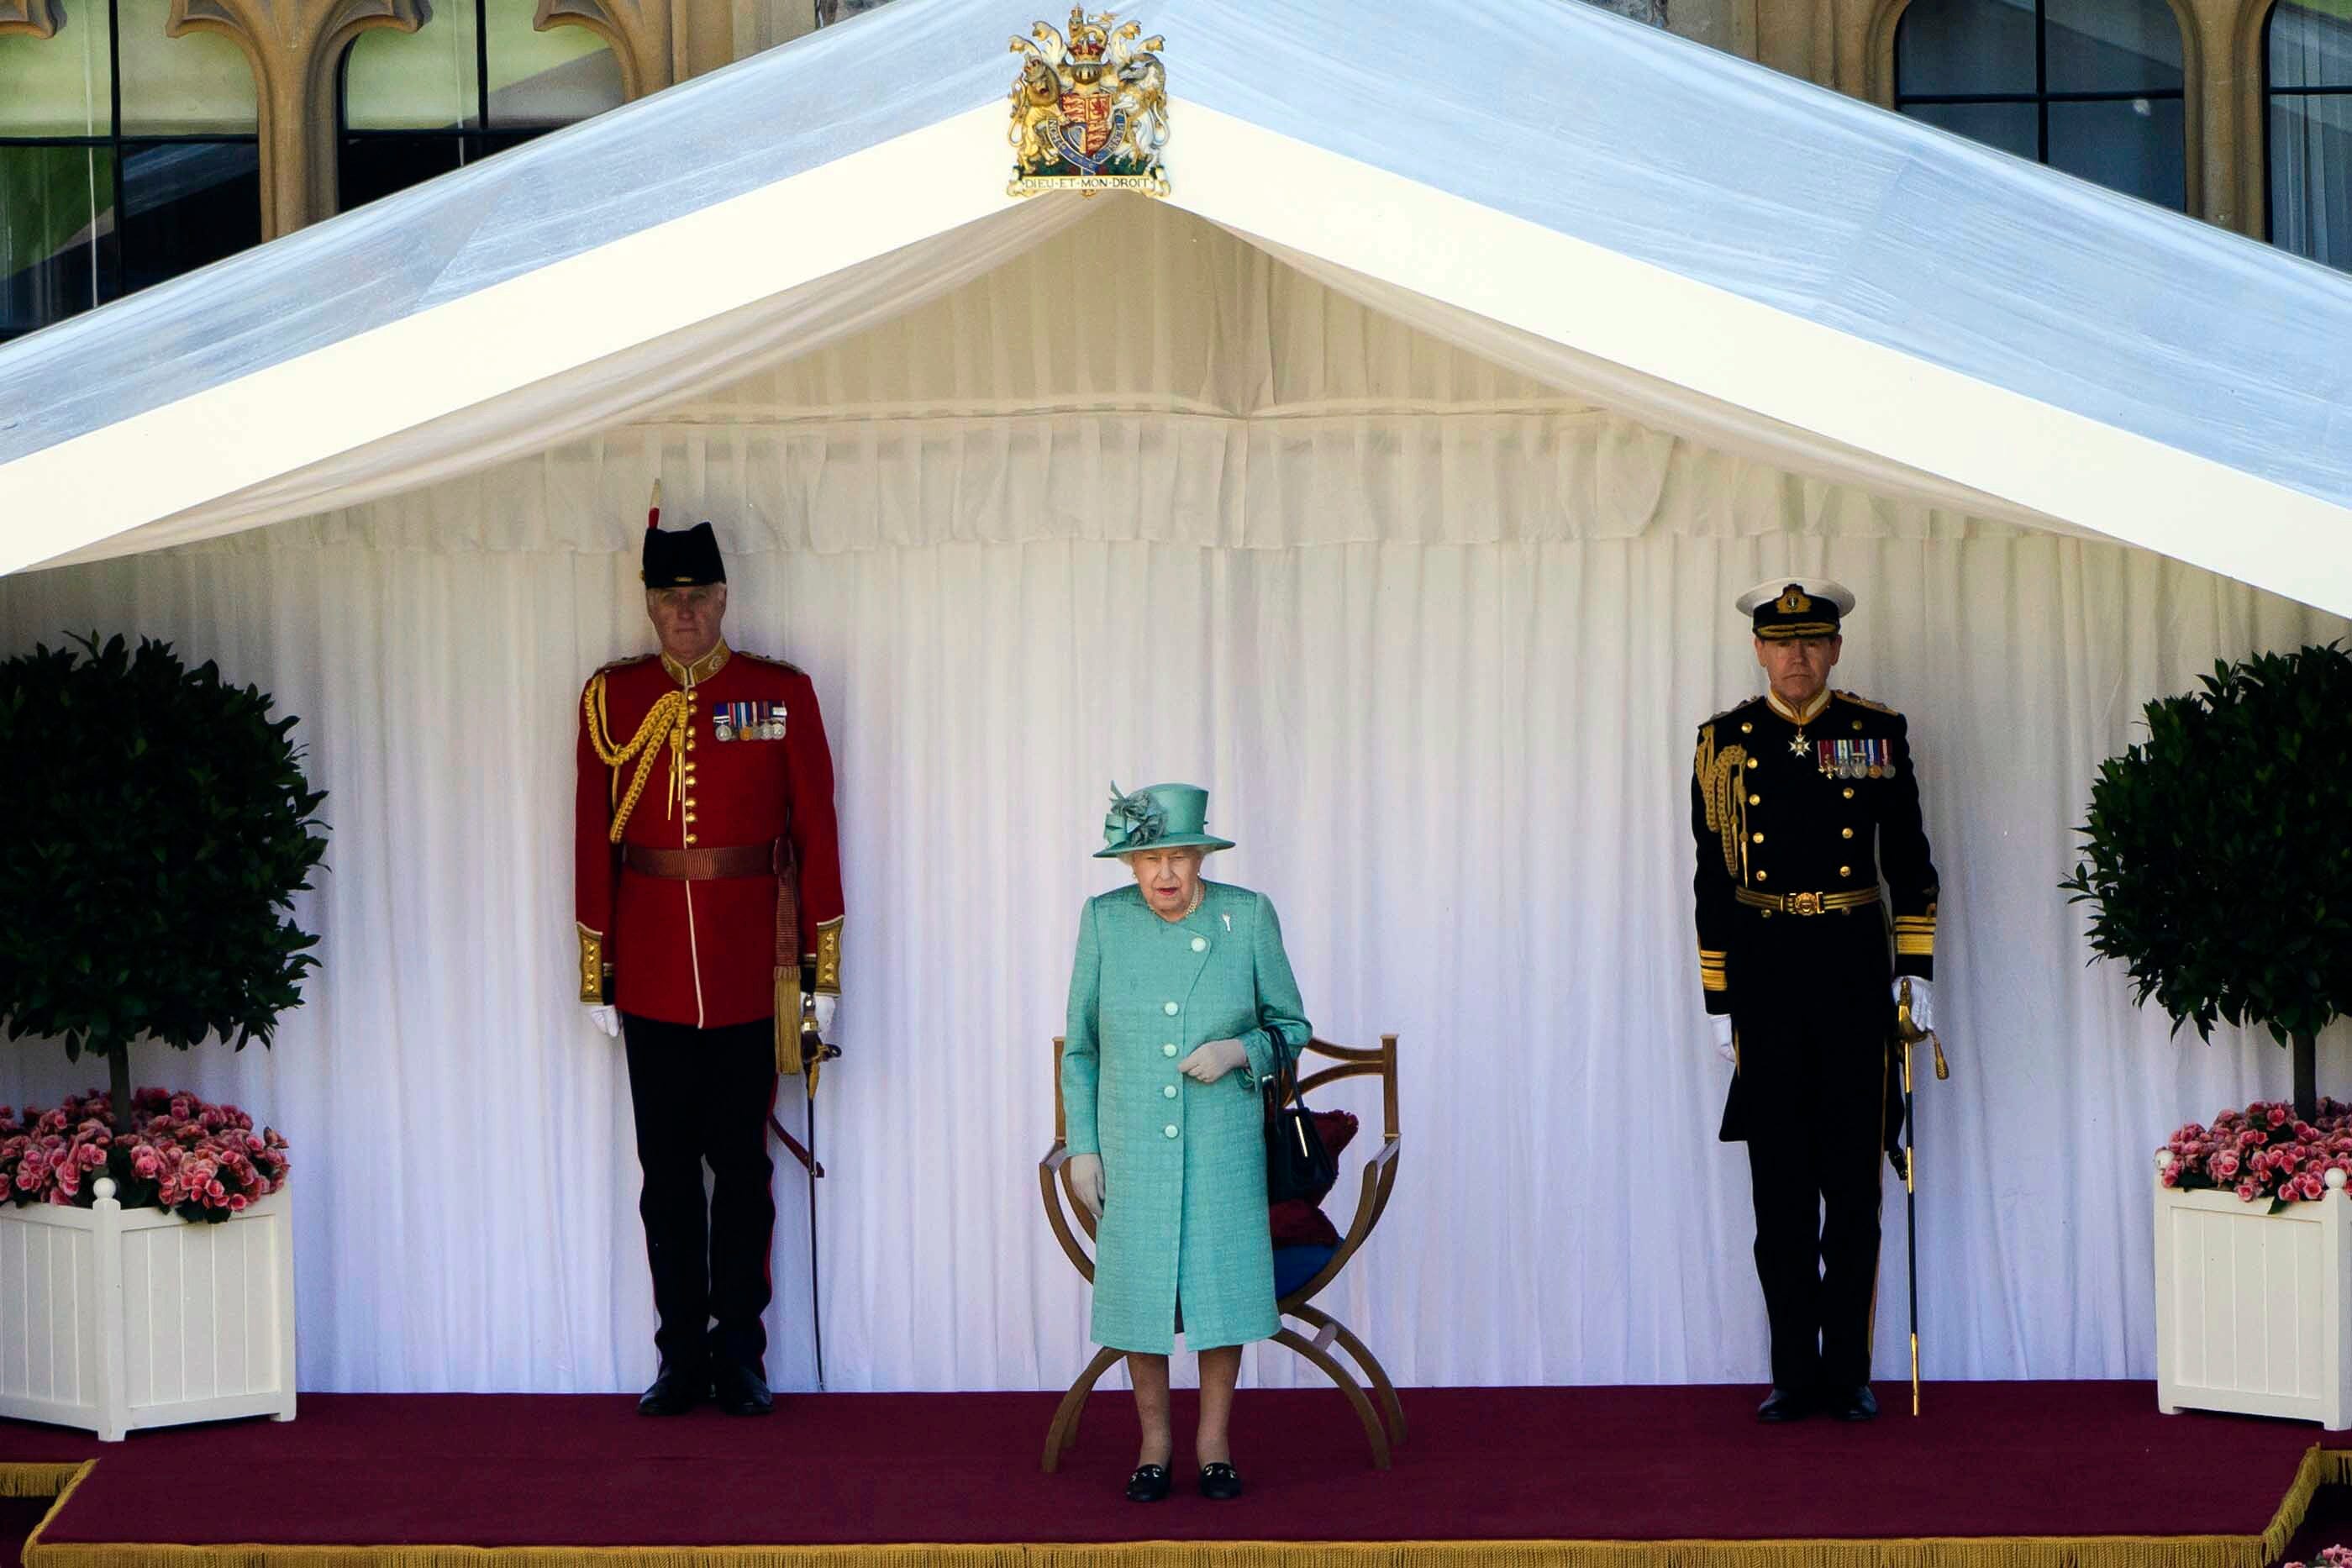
{"x": 1866, "y": 702}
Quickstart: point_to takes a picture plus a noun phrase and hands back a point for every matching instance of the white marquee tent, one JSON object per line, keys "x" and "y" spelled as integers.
{"x": 1393, "y": 479}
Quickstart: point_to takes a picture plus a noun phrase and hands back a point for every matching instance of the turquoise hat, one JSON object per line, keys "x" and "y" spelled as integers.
{"x": 1164, "y": 817}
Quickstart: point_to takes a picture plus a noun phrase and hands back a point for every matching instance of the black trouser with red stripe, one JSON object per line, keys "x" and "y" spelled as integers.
{"x": 704, "y": 1095}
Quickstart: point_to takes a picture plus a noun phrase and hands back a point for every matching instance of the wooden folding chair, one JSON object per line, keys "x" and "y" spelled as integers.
{"x": 1383, "y": 1425}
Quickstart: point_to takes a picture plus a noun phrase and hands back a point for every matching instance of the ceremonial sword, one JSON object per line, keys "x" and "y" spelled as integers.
{"x": 814, "y": 1054}
{"x": 1909, "y": 1034}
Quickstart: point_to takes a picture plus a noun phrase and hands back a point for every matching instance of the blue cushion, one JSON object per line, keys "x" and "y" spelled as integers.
{"x": 1295, "y": 1266}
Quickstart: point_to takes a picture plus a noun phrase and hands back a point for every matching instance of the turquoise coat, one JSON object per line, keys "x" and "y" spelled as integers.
{"x": 1185, "y": 1211}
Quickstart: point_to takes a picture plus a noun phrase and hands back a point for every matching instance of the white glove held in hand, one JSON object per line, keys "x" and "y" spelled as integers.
{"x": 1214, "y": 1061}
{"x": 1721, "y": 1022}
{"x": 607, "y": 1019}
{"x": 1086, "y": 1176}
{"x": 827, "y": 1009}
{"x": 1923, "y": 1002}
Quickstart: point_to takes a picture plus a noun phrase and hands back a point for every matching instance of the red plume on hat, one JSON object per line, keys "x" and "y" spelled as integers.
{"x": 653, "y": 508}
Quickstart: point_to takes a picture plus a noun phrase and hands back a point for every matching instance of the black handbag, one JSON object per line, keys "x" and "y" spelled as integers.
{"x": 1296, "y": 1163}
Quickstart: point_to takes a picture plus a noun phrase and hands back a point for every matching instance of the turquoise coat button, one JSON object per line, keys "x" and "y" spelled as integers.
{"x": 1170, "y": 1130}
{"x": 1167, "y": 1092}
{"x": 1168, "y": 1049}
{"x": 1199, "y": 945}
{"x": 1168, "y": 1008}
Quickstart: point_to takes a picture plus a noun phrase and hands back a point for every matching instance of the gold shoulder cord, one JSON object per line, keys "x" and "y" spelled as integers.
{"x": 667, "y": 720}
{"x": 1719, "y": 785}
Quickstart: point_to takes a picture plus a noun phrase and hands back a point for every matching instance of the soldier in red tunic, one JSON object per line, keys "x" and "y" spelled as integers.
{"x": 708, "y": 892}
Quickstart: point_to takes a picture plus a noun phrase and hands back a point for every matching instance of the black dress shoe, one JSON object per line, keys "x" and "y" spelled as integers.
{"x": 740, "y": 1390}
{"x": 1219, "y": 1481}
{"x": 1856, "y": 1404}
{"x": 676, "y": 1391}
{"x": 1148, "y": 1484}
{"x": 1782, "y": 1405}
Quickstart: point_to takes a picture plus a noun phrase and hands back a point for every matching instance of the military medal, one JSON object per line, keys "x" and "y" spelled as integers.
{"x": 1797, "y": 743}
{"x": 723, "y": 721}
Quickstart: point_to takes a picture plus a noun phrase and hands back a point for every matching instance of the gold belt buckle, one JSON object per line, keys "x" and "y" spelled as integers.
{"x": 1804, "y": 903}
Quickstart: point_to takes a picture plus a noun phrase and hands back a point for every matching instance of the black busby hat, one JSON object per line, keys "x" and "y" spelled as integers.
{"x": 684, "y": 558}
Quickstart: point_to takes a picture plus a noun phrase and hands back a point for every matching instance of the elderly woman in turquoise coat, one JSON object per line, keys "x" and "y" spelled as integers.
{"x": 1181, "y": 1003}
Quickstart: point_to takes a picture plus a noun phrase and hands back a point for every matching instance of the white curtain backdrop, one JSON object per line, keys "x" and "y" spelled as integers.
{"x": 1435, "y": 635}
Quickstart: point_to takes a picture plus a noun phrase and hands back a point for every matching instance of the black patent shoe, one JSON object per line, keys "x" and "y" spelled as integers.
{"x": 1148, "y": 1484}
{"x": 1220, "y": 1482}
{"x": 1782, "y": 1405}
{"x": 676, "y": 1391}
{"x": 741, "y": 1390}
{"x": 1856, "y": 1404}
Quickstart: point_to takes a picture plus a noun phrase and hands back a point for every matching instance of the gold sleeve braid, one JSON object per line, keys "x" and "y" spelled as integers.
{"x": 1914, "y": 935}
{"x": 667, "y": 720}
{"x": 1719, "y": 788}
{"x": 828, "y": 958}
{"x": 591, "y": 966}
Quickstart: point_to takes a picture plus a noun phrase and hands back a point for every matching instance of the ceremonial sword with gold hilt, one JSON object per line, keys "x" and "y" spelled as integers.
{"x": 814, "y": 1054}
{"x": 1908, "y": 1033}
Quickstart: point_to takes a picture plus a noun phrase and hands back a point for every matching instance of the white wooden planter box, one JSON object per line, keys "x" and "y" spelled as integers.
{"x": 114, "y": 1318}
{"x": 2252, "y": 1309}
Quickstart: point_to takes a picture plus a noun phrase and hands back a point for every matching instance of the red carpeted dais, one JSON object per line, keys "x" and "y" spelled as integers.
{"x": 1992, "y": 1462}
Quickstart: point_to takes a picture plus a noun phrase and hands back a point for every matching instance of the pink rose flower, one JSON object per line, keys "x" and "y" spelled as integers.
{"x": 2248, "y": 1192}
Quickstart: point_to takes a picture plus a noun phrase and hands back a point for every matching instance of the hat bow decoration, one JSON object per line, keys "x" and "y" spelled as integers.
{"x": 1134, "y": 819}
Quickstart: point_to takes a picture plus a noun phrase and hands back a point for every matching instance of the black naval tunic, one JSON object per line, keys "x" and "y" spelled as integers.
{"x": 1796, "y": 822}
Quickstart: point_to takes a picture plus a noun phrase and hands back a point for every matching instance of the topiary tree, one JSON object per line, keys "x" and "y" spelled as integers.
{"x": 158, "y": 826}
{"x": 2219, "y": 853}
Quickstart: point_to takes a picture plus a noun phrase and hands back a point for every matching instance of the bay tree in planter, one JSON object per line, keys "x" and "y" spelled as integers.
{"x": 2218, "y": 854}
{"x": 158, "y": 829}
{"x": 2218, "y": 869}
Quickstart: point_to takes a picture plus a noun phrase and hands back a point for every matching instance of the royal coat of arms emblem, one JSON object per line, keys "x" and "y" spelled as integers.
{"x": 1089, "y": 110}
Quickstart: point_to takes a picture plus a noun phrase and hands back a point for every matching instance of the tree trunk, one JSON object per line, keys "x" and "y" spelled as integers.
{"x": 2306, "y": 1078}
{"x": 118, "y": 1062}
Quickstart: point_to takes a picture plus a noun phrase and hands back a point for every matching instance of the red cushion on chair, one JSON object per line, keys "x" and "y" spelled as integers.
{"x": 1297, "y": 1223}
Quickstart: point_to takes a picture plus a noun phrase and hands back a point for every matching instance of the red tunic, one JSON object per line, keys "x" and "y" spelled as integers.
{"x": 703, "y": 953}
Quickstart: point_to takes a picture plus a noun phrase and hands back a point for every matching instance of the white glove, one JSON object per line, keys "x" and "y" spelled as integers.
{"x": 607, "y": 1019}
{"x": 1723, "y": 1046}
{"x": 1214, "y": 1060}
{"x": 827, "y": 1008}
{"x": 1923, "y": 1002}
{"x": 1087, "y": 1178}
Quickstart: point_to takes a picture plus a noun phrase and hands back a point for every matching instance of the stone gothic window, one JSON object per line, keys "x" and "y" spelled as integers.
{"x": 475, "y": 79}
{"x": 2092, "y": 87}
{"x": 2307, "y": 90}
{"x": 127, "y": 156}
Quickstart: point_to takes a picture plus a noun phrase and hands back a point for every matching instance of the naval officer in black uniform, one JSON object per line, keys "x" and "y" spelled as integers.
{"x": 1802, "y": 801}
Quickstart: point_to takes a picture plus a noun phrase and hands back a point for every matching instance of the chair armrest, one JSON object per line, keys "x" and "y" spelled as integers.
{"x": 1372, "y": 1202}
{"x": 1053, "y": 1188}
